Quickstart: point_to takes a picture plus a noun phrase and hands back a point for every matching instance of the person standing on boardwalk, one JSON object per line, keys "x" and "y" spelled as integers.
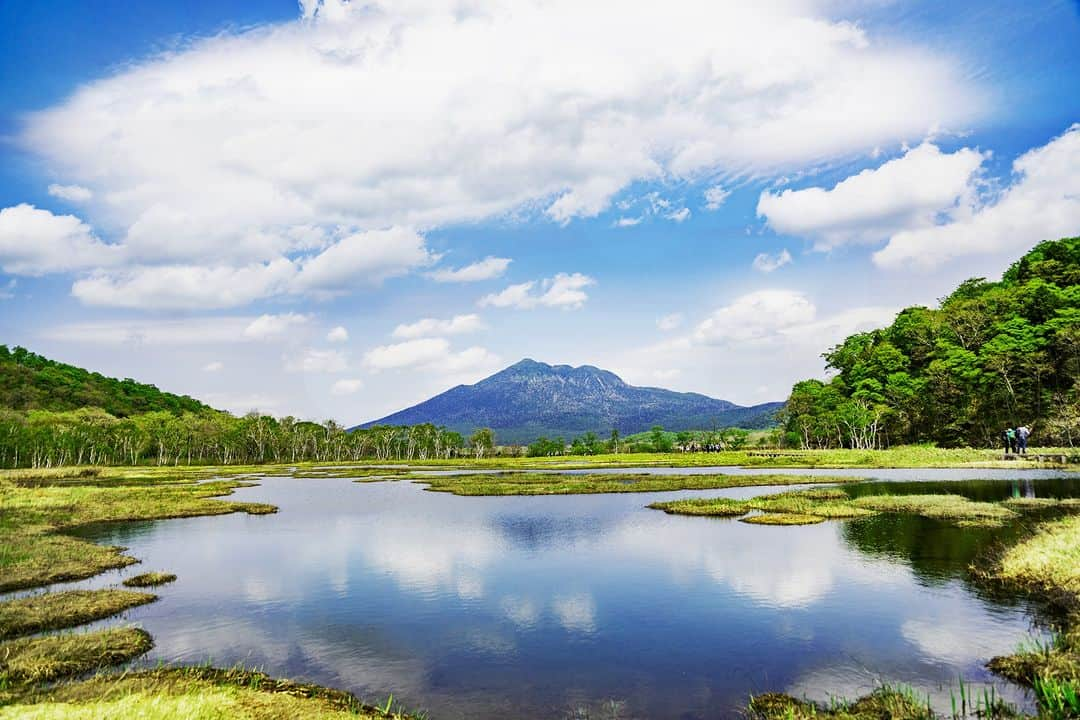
{"x": 1010, "y": 440}
{"x": 1022, "y": 434}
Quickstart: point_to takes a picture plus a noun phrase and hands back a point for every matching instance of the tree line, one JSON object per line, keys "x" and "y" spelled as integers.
{"x": 91, "y": 436}
{"x": 993, "y": 355}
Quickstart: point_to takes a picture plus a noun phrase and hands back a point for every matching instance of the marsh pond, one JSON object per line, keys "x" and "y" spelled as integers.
{"x": 579, "y": 606}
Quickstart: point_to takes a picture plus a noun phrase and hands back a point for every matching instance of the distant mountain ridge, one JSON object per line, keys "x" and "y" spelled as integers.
{"x": 530, "y": 399}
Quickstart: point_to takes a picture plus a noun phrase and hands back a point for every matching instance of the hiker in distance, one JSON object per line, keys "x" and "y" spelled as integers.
{"x": 1022, "y": 434}
{"x": 1010, "y": 440}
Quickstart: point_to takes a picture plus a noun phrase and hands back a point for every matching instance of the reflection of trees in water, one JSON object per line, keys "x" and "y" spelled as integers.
{"x": 979, "y": 490}
{"x": 937, "y": 552}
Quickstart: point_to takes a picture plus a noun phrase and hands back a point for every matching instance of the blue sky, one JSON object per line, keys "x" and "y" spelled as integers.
{"x": 338, "y": 209}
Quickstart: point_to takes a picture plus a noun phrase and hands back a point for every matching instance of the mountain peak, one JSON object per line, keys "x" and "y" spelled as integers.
{"x": 531, "y": 398}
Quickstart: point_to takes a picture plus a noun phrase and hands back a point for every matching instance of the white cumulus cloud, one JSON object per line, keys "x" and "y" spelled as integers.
{"x": 715, "y": 197}
{"x": 457, "y": 325}
{"x": 34, "y": 242}
{"x": 767, "y": 263}
{"x": 756, "y": 316}
{"x": 271, "y": 326}
{"x": 392, "y": 113}
{"x": 908, "y": 192}
{"x": 348, "y": 386}
{"x": 1043, "y": 203}
{"x": 486, "y": 269}
{"x": 317, "y": 361}
{"x": 185, "y": 286}
{"x": 429, "y": 353}
{"x": 337, "y": 335}
{"x": 564, "y": 290}
{"x": 71, "y": 193}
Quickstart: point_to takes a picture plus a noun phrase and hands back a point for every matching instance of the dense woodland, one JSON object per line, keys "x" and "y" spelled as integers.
{"x": 992, "y": 355}
{"x": 31, "y": 382}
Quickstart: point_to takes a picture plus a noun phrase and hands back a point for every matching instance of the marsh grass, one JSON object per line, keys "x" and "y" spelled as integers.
{"x": 1046, "y": 562}
{"x": 904, "y": 456}
{"x": 149, "y": 579}
{"x": 57, "y": 610}
{"x": 51, "y": 657}
{"x": 782, "y": 519}
{"x": 834, "y": 503}
{"x": 33, "y": 515}
{"x": 938, "y": 507}
{"x": 567, "y": 484}
{"x": 199, "y": 692}
{"x": 885, "y": 703}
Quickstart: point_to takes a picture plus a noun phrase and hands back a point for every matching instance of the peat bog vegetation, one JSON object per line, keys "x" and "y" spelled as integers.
{"x": 38, "y": 506}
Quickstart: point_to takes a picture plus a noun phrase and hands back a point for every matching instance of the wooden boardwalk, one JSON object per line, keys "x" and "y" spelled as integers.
{"x": 1057, "y": 458}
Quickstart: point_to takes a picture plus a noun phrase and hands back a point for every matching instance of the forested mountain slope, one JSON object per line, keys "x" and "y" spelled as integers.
{"x": 992, "y": 355}
{"x": 31, "y": 382}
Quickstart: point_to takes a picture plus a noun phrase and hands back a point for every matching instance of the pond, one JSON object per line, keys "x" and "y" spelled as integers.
{"x": 571, "y": 606}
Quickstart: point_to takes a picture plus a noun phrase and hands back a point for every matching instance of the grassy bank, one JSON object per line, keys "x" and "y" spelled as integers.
{"x": 515, "y": 483}
{"x": 817, "y": 504}
{"x": 34, "y": 512}
{"x": 196, "y": 693}
{"x": 28, "y": 661}
{"x": 58, "y": 610}
{"x": 905, "y": 456}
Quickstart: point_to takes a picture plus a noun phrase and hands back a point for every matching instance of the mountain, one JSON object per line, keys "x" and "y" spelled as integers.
{"x": 29, "y": 381}
{"x": 530, "y": 399}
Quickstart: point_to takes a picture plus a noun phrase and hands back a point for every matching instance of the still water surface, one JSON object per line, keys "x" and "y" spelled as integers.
{"x": 548, "y": 607}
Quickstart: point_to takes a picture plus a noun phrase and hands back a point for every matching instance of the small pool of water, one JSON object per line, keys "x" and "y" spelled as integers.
{"x": 548, "y": 607}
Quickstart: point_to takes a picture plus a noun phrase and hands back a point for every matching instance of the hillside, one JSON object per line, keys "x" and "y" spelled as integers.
{"x": 532, "y": 399}
{"x": 992, "y": 355}
{"x": 31, "y": 382}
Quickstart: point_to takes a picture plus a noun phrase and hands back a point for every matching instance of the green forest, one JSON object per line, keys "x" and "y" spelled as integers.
{"x": 31, "y": 382}
{"x": 992, "y": 355}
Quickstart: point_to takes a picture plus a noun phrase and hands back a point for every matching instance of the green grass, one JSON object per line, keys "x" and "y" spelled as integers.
{"x": 52, "y": 657}
{"x": 1046, "y": 565}
{"x": 905, "y": 456}
{"x": 1046, "y": 562}
{"x": 885, "y": 703}
{"x": 33, "y": 549}
{"x": 57, "y": 610}
{"x": 567, "y": 484}
{"x": 150, "y": 579}
{"x": 834, "y": 503}
{"x": 782, "y": 519}
{"x": 197, "y": 692}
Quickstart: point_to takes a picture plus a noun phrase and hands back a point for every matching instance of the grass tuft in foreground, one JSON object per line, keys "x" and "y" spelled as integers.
{"x": 150, "y": 579}
{"x": 54, "y": 611}
{"x": 885, "y": 703}
{"x": 44, "y": 659}
{"x": 199, "y": 693}
{"x": 1047, "y": 566}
